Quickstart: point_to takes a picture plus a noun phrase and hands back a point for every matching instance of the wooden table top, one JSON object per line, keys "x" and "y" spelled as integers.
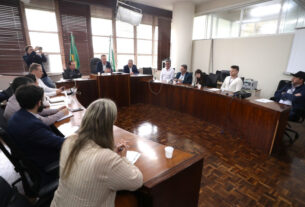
{"x": 152, "y": 162}
{"x": 271, "y": 105}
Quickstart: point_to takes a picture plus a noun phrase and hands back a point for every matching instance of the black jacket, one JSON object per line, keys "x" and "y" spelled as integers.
{"x": 99, "y": 66}
{"x": 34, "y": 58}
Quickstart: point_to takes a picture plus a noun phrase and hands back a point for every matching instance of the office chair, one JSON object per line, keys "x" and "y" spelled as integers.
{"x": 30, "y": 175}
{"x": 212, "y": 80}
{"x": 301, "y": 119}
{"x": 93, "y": 64}
{"x": 281, "y": 84}
{"x": 147, "y": 71}
{"x": 9, "y": 197}
{"x": 222, "y": 74}
{"x": 121, "y": 70}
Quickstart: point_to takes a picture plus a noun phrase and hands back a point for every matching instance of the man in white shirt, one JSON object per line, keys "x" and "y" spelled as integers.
{"x": 167, "y": 73}
{"x": 232, "y": 83}
{"x": 36, "y": 70}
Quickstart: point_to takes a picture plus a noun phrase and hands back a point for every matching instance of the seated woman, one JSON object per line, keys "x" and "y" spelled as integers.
{"x": 199, "y": 81}
{"x": 92, "y": 169}
{"x": 71, "y": 72}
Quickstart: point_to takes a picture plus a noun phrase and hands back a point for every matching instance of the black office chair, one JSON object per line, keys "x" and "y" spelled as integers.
{"x": 212, "y": 80}
{"x": 30, "y": 175}
{"x": 281, "y": 84}
{"x": 93, "y": 64}
{"x": 147, "y": 71}
{"x": 9, "y": 197}
{"x": 288, "y": 129}
{"x": 222, "y": 74}
{"x": 121, "y": 70}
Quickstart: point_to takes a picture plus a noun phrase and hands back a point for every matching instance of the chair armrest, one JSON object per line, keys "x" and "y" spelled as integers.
{"x": 48, "y": 189}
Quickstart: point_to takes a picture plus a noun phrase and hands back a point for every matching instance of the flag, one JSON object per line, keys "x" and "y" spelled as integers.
{"x": 111, "y": 55}
{"x": 73, "y": 52}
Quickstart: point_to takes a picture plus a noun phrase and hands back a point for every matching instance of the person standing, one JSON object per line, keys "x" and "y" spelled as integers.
{"x": 37, "y": 56}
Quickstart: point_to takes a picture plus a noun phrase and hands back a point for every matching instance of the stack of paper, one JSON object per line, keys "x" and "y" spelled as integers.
{"x": 132, "y": 156}
{"x": 263, "y": 100}
{"x": 214, "y": 89}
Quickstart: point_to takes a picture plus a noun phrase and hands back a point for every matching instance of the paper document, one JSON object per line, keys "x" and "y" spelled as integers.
{"x": 65, "y": 117}
{"x": 214, "y": 89}
{"x": 264, "y": 100}
{"x": 57, "y": 99}
{"x": 132, "y": 156}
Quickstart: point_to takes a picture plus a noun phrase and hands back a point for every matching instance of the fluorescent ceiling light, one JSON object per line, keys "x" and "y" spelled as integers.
{"x": 265, "y": 10}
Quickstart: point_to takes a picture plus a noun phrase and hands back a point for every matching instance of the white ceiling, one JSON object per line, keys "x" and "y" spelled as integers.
{"x": 165, "y": 4}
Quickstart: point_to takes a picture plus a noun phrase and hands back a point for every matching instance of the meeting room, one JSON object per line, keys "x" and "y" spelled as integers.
{"x": 141, "y": 103}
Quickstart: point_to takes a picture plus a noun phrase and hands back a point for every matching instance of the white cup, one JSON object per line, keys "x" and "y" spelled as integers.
{"x": 169, "y": 152}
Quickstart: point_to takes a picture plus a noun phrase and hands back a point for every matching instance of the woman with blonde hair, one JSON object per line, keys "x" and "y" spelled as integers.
{"x": 92, "y": 169}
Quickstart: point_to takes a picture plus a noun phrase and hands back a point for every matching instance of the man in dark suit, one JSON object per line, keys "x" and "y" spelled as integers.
{"x": 131, "y": 68}
{"x": 71, "y": 72}
{"x": 293, "y": 94}
{"x": 184, "y": 76}
{"x": 103, "y": 66}
{"x": 31, "y": 56}
{"x": 32, "y": 137}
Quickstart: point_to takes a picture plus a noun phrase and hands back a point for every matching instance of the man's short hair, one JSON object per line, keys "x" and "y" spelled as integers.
{"x": 168, "y": 60}
{"x": 236, "y": 67}
{"x": 184, "y": 66}
{"x": 27, "y": 47}
{"x": 34, "y": 66}
{"x": 32, "y": 77}
{"x": 20, "y": 81}
{"x": 28, "y": 96}
{"x": 103, "y": 55}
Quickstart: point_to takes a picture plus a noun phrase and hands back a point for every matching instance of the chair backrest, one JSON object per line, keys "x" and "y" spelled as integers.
{"x": 9, "y": 197}
{"x": 147, "y": 71}
{"x": 30, "y": 175}
{"x": 282, "y": 83}
{"x": 212, "y": 80}
{"x": 93, "y": 63}
{"x": 121, "y": 70}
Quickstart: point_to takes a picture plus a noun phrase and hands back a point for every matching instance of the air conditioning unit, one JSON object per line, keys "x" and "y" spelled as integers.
{"x": 129, "y": 14}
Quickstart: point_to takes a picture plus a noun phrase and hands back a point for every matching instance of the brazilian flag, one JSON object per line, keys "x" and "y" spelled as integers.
{"x": 73, "y": 52}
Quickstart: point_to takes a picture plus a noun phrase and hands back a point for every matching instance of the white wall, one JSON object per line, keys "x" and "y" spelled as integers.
{"x": 181, "y": 34}
{"x": 262, "y": 58}
{"x": 201, "y": 55}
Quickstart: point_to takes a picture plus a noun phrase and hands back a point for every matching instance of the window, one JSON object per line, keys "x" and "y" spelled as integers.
{"x": 145, "y": 45}
{"x": 45, "y": 36}
{"x": 125, "y": 43}
{"x": 226, "y": 24}
{"x": 261, "y": 18}
{"x": 293, "y": 16}
{"x": 271, "y": 17}
{"x": 101, "y": 33}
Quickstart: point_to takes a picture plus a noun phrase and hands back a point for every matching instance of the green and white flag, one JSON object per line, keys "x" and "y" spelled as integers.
{"x": 73, "y": 52}
{"x": 111, "y": 58}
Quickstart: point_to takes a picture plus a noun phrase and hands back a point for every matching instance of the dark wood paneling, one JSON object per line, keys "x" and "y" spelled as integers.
{"x": 164, "y": 42}
{"x": 260, "y": 124}
{"x": 12, "y": 39}
{"x": 114, "y": 87}
{"x": 135, "y": 94}
{"x": 86, "y": 91}
{"x": 75, "y": 19}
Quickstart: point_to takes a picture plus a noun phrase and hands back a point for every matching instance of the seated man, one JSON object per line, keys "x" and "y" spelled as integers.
{"x": 71, "y": 72}
{"x": 184, "y": 76}
{"x": 102, "y": 65}
{"x": 47, "y": 116}
{"x": 36, "y": 70}
{"x": 131, "y": 68}
{"x": 293, "y": 94}
{"x": 31, "y": 136}
{"x": 167, "y": 73}
{"x": 37, "y": 56}
{"x": 232, "y": 83}
{"x": 6, "y": 94}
